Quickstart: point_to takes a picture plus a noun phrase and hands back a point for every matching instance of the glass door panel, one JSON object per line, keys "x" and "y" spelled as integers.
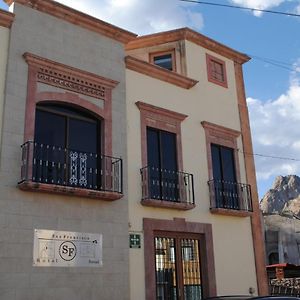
{"x": 165, "y": 269}
{"x": 191, "y": 269}
{"x": 177, "y": 268}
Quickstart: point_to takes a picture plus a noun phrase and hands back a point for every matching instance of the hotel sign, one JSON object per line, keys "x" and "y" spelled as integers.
{"x": 66, "y": 249}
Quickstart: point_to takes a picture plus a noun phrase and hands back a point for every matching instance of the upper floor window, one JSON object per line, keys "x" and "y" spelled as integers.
{"x": 164, "y": 184}
{"x": 162, "y": 164}
{"x": 216, "y": 70}
{"x": 67, "y": 147}
{"x": 224, "y": 176}
{"x": 165, "y": 59}
{"x": 68, "y": 132}
{"x": 227, "y": 194}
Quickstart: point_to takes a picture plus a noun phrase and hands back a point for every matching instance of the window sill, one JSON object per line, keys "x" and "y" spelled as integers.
{"x": 231, "y": 212}
{"x": 69, "y": 191}
{"x": 167, "y": 204}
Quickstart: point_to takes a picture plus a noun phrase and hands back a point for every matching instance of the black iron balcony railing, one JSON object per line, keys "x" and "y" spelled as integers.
{"x": 67, "y": 167}
{"x": 167, "y": 185}
{"x": 230, "y": 195}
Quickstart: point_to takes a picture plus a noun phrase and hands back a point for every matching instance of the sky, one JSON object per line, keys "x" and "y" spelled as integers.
{"x": 272, "y": 77}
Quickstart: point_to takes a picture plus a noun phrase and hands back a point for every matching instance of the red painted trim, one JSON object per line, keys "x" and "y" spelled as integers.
{"x": 209, "y": 59}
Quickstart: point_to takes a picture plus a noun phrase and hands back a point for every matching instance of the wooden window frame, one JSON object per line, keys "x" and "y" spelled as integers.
{"x": 152, "y": 55}
{"x": 178, "y": 226}
{"x": 209, "y": 59}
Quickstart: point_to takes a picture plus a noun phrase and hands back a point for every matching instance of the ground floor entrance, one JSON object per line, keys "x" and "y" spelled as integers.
{"x": 177, "y": 266}
{"x": 179, "y": 260}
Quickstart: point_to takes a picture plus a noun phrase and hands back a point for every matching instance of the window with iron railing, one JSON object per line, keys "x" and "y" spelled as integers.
{"x": 67, "y": 151}
{"x": 160, "y": 179}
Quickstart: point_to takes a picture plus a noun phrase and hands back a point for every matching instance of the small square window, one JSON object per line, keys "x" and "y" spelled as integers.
{"x": 165, "y": 59}
{"x": 216, "y": 70}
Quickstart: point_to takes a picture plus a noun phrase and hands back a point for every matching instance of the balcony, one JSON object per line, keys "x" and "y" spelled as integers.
{"x": 166, "y": 188}
{"x": 230, "y": 198}
{"x": 60, "y": 170}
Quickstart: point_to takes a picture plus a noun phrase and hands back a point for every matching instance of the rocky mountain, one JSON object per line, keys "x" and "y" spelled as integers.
{"x": 283, "y": 197}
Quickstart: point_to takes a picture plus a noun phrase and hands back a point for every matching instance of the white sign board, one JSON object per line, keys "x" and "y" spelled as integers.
{"x": 66, "y": 249}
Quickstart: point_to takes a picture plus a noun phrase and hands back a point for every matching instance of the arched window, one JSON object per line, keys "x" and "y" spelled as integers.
{"x": 67, "y": 127}
{"x": 67, "y": 147}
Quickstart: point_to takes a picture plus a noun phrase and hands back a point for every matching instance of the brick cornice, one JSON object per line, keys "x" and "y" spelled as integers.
{"x": 77, "y": 18}
{"x": 190, "y": 35}
{"x": 157, "y": 72}
{"x": 6, "y": 18}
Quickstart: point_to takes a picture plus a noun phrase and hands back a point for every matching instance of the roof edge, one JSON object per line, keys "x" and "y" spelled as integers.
{"x": 6, "y": 18}
{"x": 190, "y": 35}
{"x": 77, "y": 18}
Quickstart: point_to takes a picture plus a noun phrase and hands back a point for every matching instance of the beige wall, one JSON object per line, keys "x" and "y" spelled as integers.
{"x": 4, "y": 38}
{"x": 233, "y": 249}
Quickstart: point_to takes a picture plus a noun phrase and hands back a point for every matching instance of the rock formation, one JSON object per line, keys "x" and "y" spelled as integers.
{"x": 283, "y": 197}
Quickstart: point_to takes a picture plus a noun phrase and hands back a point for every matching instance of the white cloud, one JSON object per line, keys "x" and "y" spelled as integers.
{"x": 142, "y": 17}
{"x": 259, "y": 4}
{"x": 275, "y": 131}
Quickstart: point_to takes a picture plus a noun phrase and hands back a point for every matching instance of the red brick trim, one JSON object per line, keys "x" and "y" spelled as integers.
{"x": 257, "y": 233}
{"x": 209, "y": 59}
{"x": 163, "y": 119}
{"x": 152, "y": 55}
{"x": 157, "y": 72}
{"x": 6, "y": 18}
{"x": 216, "y": 134}
{"x": 204, "y": 231}
{"x": 38, "y": 66}
{"x": 77, "y": 18}
{"x": 70, "y": 191}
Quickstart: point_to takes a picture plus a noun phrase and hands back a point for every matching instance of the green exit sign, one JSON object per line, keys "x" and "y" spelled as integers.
{"x": 134, "y": 241}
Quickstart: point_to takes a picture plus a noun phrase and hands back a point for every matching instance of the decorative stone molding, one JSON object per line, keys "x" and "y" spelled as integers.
{"x": 69, "y": 78}
{"x": 157, "y": 72}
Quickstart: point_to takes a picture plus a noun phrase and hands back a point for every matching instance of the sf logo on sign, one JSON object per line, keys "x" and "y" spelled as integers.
{"x": 67, "y": 251}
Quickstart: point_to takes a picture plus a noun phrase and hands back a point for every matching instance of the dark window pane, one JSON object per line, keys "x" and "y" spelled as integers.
{"x": 82, "y": 136}
{"x": 50, "y": 129}
{"x": 164, "y": 61}
{"x": 228, "y": 164}
{"x": 168, "y": 151}
{"x": 216, "y": 162}
{"x": 153, "y": 148}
